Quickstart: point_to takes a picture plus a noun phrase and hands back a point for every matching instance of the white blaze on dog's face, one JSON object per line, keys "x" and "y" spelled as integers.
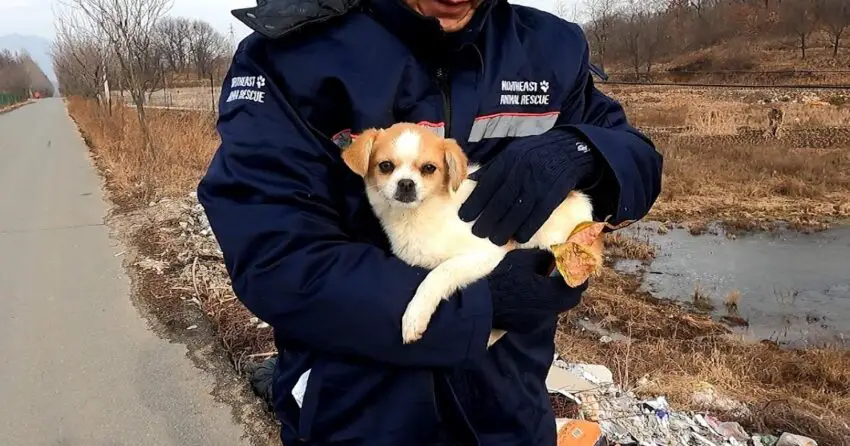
{"x": 407, "y": 163}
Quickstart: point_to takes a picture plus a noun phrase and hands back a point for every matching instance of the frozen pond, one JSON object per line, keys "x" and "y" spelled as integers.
{"x": 794, "y": 287}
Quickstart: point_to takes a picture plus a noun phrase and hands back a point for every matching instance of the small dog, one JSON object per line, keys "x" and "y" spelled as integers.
{"x": 416, "y": 181}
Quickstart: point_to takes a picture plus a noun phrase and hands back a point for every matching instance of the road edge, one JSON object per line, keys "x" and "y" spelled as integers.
{"x": 14, "y": 107}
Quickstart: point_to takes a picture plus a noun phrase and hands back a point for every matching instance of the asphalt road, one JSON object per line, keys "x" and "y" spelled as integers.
{"x": 78, "y": 364}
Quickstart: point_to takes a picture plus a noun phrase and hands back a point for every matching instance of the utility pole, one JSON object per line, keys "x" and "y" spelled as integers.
{"x": 107, "y": 95}
{"x": 232, "y": 39}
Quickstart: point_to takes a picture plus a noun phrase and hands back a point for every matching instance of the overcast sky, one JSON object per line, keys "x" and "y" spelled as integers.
{"x": 35, "y": 17}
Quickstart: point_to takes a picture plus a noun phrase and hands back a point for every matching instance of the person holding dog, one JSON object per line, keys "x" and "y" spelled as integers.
{"x": 513, "y": 85}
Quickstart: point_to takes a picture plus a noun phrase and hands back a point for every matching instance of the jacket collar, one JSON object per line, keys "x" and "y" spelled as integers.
{"x": 275, "y": 19}
{"x": 424, "y": 33}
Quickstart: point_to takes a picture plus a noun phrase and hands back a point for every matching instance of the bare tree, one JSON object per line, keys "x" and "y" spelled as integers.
{"x": 566, "y": 11}
{"x": 128, "y": 26}
{"x": 81, "y": 57}
{"x": 633, "y": 28}
{"x": 602, "y": 15}
{"x": 799, "y": 17}
{"x": 834, "y": 15}
{"x": 207, "y": 48}
{"x": 175, "y": 33}
{"x": 652, "y": 38}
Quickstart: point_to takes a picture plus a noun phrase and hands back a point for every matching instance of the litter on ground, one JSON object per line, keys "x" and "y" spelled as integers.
{"x": 624, "y": 419}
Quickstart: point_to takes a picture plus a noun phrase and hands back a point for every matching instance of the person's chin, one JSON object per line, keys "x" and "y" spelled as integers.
{"x": 452, "y": 15}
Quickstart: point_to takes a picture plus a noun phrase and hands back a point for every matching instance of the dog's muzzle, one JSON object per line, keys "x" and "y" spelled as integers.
{"x": 405, "y": 191}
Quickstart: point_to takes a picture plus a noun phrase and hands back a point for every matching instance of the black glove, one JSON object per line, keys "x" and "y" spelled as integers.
{"x": 521, "y": 187}
{"x": 525, "y": 296}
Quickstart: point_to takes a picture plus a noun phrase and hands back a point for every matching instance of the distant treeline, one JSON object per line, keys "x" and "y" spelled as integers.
{"x": 21, "y": 78}
{"x": 139, "y": 54}
{"x": 639, "y": 34}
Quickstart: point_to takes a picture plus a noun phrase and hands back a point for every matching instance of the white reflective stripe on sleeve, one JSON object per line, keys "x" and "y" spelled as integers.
{"x": 503, "y": 125}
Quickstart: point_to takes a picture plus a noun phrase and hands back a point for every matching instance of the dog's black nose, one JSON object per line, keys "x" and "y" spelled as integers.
{"x": 406, "y": 185}
{"x": 405, "y": 192}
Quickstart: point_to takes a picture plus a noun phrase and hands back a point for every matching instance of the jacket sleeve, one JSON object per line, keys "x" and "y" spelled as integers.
{"x": 631, "y": 179}
{"x": 273, "y": 196}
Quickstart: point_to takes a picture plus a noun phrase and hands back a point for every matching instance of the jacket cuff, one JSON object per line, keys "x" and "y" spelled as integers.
{"x": 478, "y": 309}
{"x": 579, "y": 149}
{"x": 607, "y": 194}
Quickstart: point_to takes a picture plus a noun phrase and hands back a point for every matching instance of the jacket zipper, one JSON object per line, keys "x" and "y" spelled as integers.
{"x": 446, "y": 92}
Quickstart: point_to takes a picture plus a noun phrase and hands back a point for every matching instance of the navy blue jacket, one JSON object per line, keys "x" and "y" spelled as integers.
{"x": 307, "y": 255}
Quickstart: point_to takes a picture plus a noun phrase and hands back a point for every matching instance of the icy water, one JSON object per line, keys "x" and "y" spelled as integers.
{"x": 795, "y": 288}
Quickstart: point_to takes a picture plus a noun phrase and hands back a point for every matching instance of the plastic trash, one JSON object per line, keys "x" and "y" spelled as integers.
{"x": 597, "y": 374}
{"x": 732, "y": 430}
{"x": 659, "y": 403}
{"x": 765, "y": 440}
{"x": 580, "y": 433}
{"x": 625, "y": 419}
{"x": 795, "y": 440}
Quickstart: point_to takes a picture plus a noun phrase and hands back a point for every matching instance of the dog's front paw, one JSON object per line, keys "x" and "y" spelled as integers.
{"x": 412, "y": 328}
{"x": 415, "y": 320}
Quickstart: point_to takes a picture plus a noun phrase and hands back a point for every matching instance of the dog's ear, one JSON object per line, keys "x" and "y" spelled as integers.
{"x": 456, "y": 163}
{"x": 357, "y": 155}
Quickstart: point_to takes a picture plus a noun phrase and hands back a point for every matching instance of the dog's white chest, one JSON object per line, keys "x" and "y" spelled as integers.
{"x": 432, "y": 233}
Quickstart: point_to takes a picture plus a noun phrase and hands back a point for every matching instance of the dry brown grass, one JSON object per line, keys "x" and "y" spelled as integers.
{"x": 703, "y": 109}
{"x": 183, "y": 145}
{"x": 713, "y": 122}
{"x": 624, "y": 247}
{"x": 752, "y": 179}
{"x": 701, "y": 299}
{"x": 732, "y": 301}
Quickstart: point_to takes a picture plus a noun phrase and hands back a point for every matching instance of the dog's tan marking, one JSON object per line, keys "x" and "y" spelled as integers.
{"x": 358, "y": 154}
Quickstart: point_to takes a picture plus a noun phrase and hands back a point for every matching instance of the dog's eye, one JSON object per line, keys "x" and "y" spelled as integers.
{"x": 386, "y": 167}
{"x": 428, "y": 169}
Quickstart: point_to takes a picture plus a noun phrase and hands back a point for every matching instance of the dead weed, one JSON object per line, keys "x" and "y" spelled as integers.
{"x": 183, "y": 144}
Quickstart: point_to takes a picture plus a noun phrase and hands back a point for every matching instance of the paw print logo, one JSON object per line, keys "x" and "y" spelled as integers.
{"x": 544, "y": 85}
{"x": 261, "y": 81}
